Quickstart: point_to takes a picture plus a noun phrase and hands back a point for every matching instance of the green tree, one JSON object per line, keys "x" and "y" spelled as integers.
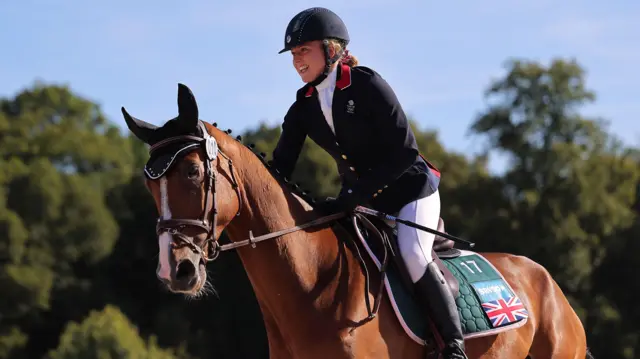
{"x": 570, "y": 189}
{"x": 58, "y": 157}
{"x": 107, "y": 334}
{"x": 614, "y": 312}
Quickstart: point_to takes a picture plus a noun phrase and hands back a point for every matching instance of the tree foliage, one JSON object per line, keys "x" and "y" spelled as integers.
{"x": 105, "y": 335}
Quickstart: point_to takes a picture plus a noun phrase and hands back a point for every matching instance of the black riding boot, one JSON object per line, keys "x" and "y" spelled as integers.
{"x": 443, "y": 311}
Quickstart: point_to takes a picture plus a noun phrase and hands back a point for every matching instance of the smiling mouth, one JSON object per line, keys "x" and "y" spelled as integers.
{"x": 303, "y": 68}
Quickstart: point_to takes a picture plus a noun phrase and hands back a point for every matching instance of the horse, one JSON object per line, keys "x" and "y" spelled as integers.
{"x": 313, "y": 284}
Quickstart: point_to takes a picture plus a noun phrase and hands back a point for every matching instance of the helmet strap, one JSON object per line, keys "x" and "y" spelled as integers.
{"x": 329, "y": 61}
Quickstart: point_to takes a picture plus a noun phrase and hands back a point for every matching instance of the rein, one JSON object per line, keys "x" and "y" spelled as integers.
{"x": 253, "y": 240}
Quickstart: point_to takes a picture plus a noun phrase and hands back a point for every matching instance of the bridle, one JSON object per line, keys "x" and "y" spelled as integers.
{"x": 209, "y": 250}
{"x": 175, "y": 226}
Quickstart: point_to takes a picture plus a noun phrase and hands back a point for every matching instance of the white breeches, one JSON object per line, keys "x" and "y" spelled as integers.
{"x": 415, "y": 245}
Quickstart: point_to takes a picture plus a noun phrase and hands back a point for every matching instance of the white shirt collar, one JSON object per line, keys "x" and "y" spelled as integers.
{"x": 330, "y": 81}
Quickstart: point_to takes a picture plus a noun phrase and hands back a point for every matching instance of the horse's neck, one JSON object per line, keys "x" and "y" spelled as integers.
{"x": 284, "y": 271}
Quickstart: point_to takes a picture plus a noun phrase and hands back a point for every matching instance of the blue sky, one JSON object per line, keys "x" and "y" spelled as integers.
{"x": 438, "y": 56}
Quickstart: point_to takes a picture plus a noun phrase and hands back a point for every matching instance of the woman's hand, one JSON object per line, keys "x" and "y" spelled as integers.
{"x": 345, "y": 203}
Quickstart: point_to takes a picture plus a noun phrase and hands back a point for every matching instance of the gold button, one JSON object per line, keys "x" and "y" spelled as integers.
{"x": 379, "y": 191}
{"x": 375, "y": 195}
{"x": 351, "y": 168}
{"x": 344, "y": 157}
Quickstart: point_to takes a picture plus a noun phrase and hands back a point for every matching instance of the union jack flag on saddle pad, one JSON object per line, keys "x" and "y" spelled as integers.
{"x": 505, "y": 311}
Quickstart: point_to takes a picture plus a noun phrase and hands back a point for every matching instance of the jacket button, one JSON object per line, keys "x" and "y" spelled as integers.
{"x": 375, "y": 195}
{"x": 349, "y": 190}
{"x": 352, "y": 169}
{"x": 344, "y": 157}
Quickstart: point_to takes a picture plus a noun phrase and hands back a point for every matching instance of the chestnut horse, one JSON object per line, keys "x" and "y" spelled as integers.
{"x": 308, "y": 281}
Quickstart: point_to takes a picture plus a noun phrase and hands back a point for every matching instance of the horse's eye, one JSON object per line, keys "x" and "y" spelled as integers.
{"x": 194, "y": 171}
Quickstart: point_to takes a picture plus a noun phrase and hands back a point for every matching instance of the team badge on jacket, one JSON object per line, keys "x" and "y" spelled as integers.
{"x": 351, "y": 107}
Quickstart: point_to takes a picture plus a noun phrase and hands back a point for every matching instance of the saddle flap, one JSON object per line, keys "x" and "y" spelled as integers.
{"x": 448, "y": 276}
{"x": 442, "y": 246}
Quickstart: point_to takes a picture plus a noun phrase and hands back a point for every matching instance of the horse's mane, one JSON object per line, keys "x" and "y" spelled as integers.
{"x": 294, "y": 187}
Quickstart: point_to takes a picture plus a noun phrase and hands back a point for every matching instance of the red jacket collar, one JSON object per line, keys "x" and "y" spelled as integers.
{"x": 344, "y": 77}
{"x": 342, "y": 82}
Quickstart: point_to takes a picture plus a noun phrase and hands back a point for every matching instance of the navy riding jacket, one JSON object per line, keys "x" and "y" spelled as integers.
{"x": 371, "y": 141}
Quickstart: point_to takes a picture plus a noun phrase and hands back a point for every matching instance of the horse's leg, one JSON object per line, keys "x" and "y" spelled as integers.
{"x": 558, "y": 332}
{"x": 277, "y": 345}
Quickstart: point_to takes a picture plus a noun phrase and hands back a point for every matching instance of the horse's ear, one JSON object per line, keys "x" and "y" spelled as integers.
{"x": 187, "y": 108}
{"x": 140, "y": 129}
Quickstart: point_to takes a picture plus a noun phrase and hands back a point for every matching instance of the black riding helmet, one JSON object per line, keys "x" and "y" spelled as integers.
{"x": 316, "y": 23}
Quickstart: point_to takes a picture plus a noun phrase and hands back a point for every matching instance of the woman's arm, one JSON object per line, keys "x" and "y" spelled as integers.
{"x": 286, "y": 153}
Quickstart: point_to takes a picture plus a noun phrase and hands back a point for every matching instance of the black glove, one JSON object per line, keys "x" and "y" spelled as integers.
{"x": 336, "y": 205}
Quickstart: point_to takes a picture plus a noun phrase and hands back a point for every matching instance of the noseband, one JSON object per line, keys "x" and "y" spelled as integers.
{"x": 176, "y": 226}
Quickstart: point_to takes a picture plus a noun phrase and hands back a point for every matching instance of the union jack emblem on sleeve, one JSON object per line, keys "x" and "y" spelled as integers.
{"x": 502, "y": 311}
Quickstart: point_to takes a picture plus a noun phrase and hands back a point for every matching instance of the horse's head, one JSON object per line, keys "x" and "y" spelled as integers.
{"x": 194, "y": 196}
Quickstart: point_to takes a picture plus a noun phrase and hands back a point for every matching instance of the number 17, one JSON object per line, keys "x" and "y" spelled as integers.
{"x": 464, "y": 264}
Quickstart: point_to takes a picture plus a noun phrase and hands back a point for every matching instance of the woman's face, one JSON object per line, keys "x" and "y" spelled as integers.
{"x": 308, "y": 60}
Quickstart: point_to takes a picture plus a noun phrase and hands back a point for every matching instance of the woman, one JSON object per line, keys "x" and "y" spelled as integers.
{"x": 352, "y": 113}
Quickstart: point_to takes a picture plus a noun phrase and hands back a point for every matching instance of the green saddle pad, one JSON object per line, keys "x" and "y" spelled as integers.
{"x": 486, "y": 302}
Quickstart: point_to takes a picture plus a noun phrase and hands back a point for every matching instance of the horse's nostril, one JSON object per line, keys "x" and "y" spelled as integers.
{"x": 186, "y": 270}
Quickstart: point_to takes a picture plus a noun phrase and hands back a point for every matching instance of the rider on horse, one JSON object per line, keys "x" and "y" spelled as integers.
{"x": 353, "y": 114}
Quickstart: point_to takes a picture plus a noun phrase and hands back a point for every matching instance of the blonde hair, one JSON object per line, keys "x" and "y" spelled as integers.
{"x": 347, "y": 58}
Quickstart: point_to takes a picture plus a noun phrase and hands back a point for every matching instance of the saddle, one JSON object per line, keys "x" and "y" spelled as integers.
{"x": 382, "y": 239}
{"x": 387, "y": 236}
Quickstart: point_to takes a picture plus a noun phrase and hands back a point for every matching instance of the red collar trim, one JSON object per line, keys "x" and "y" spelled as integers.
{"x": 309, "y": 91}
{"x": 343, "y": 81}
